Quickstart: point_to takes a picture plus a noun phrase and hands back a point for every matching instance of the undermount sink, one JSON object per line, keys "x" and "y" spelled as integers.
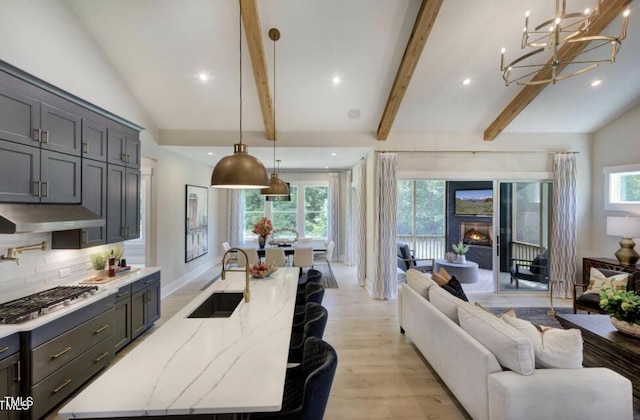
{"x": 218, "y": 305}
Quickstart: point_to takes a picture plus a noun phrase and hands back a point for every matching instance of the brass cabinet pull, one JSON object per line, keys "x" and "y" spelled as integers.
{"x": 37, "y": 134}
{"x": 18, "y": 377}
{"x": 99, "y": 330}
{"x": 149, "y": 281}
{"x": 102, "y": 356}
{"x": 85, "y": 233}
{"x": 128, "y": 158}
{"x": 122, "y": 231}
{"x": 45, "y": 136}
{"x": 2, "y": 350}
{"x": 123, "y": 157}
{"x": 39, "y": 188}
{"x": 85, "y": 147}
{"x": 65, "y": 383}
{"x": 46, "y": 184}
{"x": 122, "y": 294}
{"x": 55, "y": 356}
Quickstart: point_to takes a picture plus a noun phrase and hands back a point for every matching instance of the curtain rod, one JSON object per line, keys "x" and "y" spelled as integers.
{"x": 480, "y": 152}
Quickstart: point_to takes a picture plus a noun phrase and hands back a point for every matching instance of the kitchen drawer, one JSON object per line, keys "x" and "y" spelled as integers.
{"x": 9, "y": 345}
{"x": 52, "y": 390}
{"x": 145, "y": 282}
{"x": 56, "y": 353}
{"x": 123, "y": 293}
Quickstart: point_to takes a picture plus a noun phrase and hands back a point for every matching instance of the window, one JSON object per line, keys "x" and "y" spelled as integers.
{"x": 421, "y": 216}
{"x": 284, "y": 214}
{"x": 254, "y": 205}
{"x": 316, "y": 204}
{"x": 526, "y": 212}
{"x": 622, "y": 187}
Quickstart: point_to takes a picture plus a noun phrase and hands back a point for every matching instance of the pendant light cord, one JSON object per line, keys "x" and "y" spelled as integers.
{"x": 275, "y": 131}
{"x": 240, "y": 37}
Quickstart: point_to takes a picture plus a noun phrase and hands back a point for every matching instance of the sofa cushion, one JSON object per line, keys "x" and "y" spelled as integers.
{"x": 445, "y": 302}
{"x": 420, "y": 282}
{"x": 552, "y": 347}
{"x": 598, "y": 281}
{"x": 511, "y": 347}
{"x": 454, "y": 287}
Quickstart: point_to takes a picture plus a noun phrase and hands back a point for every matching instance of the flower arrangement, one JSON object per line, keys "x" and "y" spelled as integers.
{"x": 621, "y": 304}
{"x": 460, "y": 248}
{"x": 263, "y": 227}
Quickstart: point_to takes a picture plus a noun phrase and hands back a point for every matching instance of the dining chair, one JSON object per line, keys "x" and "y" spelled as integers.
{"x": 275, "y": 256}
{"x": 312, "y": 292}
{"x": 303, "y": 257}
{"x": 308, "y": 385}
{"x": 313, "y": 276}
{"x": 326, "y": 255}
{"x": 252, "y": 255}
{"x": 312, "y": 325}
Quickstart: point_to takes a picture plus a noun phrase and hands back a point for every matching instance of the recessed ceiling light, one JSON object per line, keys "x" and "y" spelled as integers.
{"x": 210, "y": 153}
{"x": 335, "y": 80}
{"x": 203, "y": 76}
{"x": 596, "y": 83}
{"x": 466, "y": 82}
{"x": 333, "y": 154}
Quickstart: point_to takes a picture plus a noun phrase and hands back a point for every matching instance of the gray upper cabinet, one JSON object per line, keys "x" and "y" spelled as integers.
{"x": 123, "y": 147}
{"x": 132, "y": 204}
{"x": 60, "y": 129}
{"x": 19, "y": 173}
{"x": 94, "y": 140}
{"x": 123, "y": 203}
{"x": 60, "y": 175}
{"x": 19, "y": 117}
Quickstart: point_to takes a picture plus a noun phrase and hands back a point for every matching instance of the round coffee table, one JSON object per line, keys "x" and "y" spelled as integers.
{"x": 465, "y": 272}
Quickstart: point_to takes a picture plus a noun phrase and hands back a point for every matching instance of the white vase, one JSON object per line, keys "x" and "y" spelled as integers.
{"x": 461, "y": 259}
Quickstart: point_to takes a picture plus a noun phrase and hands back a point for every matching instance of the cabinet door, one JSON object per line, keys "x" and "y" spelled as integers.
{"x": 19, "y": 173}
{"x": 116, "y": 146}
{"x": 60, "y": 175}
{"x": 133, "y": 149}
{"x": 94, "y": 140}
{"x": 138, "y": 313}
{"x": 153, "y": 303}
{"x": 132, "y": 204}
{"x": 94, "y": 198}
{"x": 123, "y": 322}
{"x": 60, "y": 130}
{"x": 10, "y": 383}
{"x": 19, "y": 117}
{"x": 115, "y": 203}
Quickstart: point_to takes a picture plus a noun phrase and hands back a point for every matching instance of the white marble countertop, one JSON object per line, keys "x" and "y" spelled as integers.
{"x": 205, "y": 365}
{"x": 104, "y": 290}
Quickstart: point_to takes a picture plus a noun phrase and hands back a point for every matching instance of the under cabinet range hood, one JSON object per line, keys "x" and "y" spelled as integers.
{"x": 27, "y": 218}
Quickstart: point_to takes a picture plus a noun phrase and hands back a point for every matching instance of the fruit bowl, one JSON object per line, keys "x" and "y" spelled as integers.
{"x": 260, "y": 271}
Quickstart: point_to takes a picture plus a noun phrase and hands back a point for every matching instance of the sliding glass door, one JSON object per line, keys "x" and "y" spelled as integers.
{"x": 524, "y": 237}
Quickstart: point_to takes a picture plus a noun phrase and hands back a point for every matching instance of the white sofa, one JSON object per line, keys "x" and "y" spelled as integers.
{"x": 429, "y": 316}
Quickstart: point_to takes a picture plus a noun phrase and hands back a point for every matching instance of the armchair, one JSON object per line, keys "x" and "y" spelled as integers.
{"x": 590, "y": 302}
{"x": 536, "y": 270}
{"x": 406, "y": 260}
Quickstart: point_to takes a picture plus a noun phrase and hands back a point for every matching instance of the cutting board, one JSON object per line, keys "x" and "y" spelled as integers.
{"x": 107, "y": 279}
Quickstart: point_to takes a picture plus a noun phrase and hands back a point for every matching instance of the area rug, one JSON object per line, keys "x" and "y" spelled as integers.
{"x": 538, "y": 316}
{"x": 328, "y": 279}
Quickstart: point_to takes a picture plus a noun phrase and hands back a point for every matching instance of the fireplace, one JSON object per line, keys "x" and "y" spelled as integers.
{"x": 473, "y": 233}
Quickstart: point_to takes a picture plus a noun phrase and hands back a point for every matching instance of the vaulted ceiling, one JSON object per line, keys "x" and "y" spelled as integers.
{"x": 161, "y": 46}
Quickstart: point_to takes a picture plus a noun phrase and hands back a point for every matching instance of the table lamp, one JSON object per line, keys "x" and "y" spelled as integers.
{"x": 627, "y": 228}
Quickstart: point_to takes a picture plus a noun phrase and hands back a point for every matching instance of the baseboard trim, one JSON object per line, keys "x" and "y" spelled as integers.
{"x": 190, "y": 276}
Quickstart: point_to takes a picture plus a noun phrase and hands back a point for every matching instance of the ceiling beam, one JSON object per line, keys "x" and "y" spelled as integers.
{"x": 251, "y": 23}
{"x": 418, "y": 39}
{"x": 610, "y": 10}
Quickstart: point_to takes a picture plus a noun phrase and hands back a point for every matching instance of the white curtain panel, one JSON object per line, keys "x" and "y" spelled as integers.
{"x": 564, "y": 225}
{"x": 349, "y": 218}
{"x": 385, "y": 285}
{"x": 234, "y": 211}
{"x": 334, "y": 211}
{"x": 361, "y": 225}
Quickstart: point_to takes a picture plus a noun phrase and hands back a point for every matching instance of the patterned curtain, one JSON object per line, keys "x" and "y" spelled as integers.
{"x": 234, "y": 212}
{"x": 563, "y": 224}
{"x": 385, "y": 285}
{"x": 334, "y": 211}
{"x": 361, "y": 225}
{"x": 349, "y": 218}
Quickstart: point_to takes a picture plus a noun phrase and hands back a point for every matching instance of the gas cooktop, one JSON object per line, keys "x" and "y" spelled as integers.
{"x": 29, "y": 307}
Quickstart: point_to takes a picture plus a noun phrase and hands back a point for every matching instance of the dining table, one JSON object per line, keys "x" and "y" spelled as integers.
{"x": 288, "y": 248}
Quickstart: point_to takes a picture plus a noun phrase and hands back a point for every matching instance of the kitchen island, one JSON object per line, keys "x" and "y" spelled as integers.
{"x": 203, "y": 365}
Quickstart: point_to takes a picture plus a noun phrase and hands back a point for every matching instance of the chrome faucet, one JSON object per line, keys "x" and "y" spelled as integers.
{"x": 247, "y": 295}
{"x": 12, "y": 253}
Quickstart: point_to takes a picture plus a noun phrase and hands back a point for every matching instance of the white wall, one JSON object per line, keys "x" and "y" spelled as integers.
{"x": 618, "y": 143}
{"x": 44, "y": 38}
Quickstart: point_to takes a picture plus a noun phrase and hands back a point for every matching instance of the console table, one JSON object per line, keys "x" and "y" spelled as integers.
{"x": 465, "y": 272}
{"x": 605, "y": 346}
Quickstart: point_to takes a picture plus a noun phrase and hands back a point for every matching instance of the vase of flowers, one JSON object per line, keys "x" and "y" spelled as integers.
{"x": 460, "y": 249}
{"x": 262, "y": 228}
{"x": 624, "y": 309}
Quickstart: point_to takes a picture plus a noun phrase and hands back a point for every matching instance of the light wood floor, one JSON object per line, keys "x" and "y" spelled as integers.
{"x": 380, "y": 375}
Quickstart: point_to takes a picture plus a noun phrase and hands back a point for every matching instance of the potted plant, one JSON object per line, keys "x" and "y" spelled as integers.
{"x": 460, "y": 249}
{"x": 99, "y": 262}
{"x": 624, "y": 309}
{"x": 262, "y": 228}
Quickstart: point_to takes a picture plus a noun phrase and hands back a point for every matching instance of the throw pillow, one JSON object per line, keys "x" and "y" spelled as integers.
{"x": 552, "y": 347}
{"x": 439, "y": 279}
{"x": 444, "y": 273}
{"x": 598, "y": 281}
{"x": 454, "y": 287}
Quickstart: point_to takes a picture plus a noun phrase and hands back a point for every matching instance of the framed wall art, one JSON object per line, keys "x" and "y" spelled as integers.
{"x": 197, "y": 222}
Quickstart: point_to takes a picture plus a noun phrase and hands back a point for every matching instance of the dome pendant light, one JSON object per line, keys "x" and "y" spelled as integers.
{"x": 277, "y": 187}
{"x": 240, "y": 170}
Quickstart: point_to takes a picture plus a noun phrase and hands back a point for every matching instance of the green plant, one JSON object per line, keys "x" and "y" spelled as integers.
{"x": 621, "y": 304}
{"x": 99, "y": 260}
{"x": 460, "y": 248}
